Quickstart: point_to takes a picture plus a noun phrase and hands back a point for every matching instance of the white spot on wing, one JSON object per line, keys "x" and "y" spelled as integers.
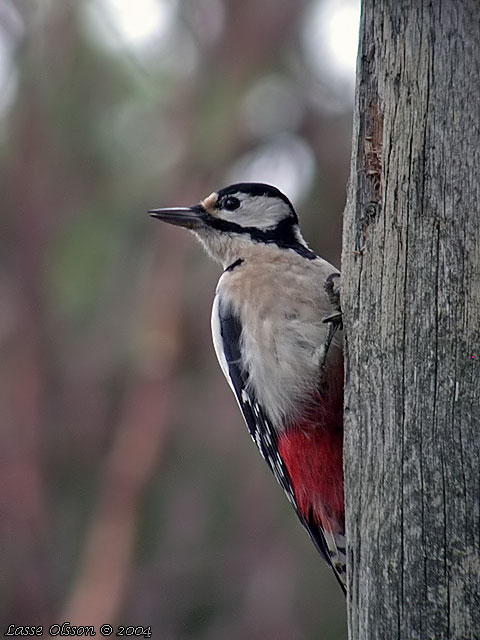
{"x": 218, "y": 342}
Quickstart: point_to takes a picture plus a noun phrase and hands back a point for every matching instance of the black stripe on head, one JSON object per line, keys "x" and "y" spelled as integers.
{"x": 256, "y": 189}
{"x": 283, "y": 234}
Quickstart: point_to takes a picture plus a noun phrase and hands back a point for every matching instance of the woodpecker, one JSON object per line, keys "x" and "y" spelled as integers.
{"x": 276, "y": 326}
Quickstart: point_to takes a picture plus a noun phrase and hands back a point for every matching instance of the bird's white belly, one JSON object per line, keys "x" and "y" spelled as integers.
{"x": 283, "y": 363}
{"x": 282, "y": 332}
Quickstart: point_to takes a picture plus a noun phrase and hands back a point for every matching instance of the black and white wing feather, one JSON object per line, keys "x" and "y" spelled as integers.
{"x": 227, "y": 332}
{"x": 227, "y": 336}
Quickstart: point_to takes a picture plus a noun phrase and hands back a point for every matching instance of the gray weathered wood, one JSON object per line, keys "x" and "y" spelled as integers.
{"x": 411, "y": 301}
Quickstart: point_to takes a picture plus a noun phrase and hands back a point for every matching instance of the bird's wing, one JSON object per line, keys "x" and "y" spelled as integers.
{"x": 227, "y": 331}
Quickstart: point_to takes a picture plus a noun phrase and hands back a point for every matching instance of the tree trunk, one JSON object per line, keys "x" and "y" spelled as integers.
{"x": 411, "y": 302}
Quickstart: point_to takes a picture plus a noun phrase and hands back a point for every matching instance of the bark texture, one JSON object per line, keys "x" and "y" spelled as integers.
{"x": 411, "y": 301}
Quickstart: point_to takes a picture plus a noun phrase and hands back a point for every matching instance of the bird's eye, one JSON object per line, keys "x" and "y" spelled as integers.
{"x": 231, "y": 203}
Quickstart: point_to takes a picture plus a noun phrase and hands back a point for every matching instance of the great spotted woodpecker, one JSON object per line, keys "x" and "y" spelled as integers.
{"x": 276, "y": 326}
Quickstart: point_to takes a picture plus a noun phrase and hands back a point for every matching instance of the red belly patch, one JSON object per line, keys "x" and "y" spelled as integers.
{"x": 313, "y": 458}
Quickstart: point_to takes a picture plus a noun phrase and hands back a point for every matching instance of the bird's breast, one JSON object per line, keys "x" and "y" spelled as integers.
{"x": 280, "y": 308}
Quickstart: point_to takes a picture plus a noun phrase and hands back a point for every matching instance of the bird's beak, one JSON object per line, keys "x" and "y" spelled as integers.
{"x": 188, "y": 217}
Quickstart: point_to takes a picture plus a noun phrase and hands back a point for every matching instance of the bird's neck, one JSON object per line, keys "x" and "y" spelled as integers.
{"x": 228, "y": 248}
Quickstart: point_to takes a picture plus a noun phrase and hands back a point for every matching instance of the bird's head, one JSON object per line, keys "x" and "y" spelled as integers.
{"x": 237, "y": 217}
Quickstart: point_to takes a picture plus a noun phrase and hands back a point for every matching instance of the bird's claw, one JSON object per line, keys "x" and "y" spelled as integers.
{"x": 335, "y": 319}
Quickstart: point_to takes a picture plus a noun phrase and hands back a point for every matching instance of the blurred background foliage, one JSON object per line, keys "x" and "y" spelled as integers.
{"x": 130, "y": 491}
